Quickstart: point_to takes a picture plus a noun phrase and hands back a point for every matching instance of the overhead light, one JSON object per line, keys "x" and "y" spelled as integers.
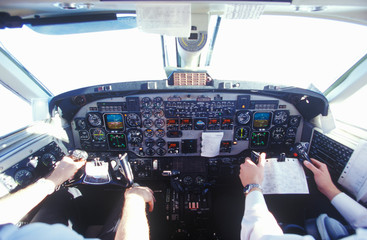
{"x": 74, "y": 6}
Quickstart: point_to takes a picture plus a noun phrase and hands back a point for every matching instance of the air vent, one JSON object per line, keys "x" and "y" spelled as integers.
{"x": 190, "y": 79}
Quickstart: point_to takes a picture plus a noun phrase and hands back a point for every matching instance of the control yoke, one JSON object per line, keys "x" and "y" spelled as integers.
{"x": 125, "y": 169}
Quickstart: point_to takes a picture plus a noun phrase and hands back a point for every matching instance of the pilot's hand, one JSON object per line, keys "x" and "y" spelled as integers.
{"x": 65, "y": 170}
{"x": 143, "y": 192}
{"x": 252, "y": 173}
{"x": 322, "y": 178}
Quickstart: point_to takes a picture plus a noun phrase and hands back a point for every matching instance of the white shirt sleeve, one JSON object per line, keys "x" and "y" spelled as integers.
{"x": 352, "y": 211}
{"x": 258, "y": 223}
{"x": 39, "y": 231}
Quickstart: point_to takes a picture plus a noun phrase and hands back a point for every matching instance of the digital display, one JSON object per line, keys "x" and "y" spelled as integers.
{"x": 213, "y": 121}
{"x": 114, "y": 121}
{"x": 186, "y": 121}
{"x": 117, "y": 141}
{"x": 172, "y": 121}
{"x": 259, "y": 139}
{"x": 262, "y": 119}
{"x": 226, "y": 121}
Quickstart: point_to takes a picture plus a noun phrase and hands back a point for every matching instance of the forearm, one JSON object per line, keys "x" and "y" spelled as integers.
{"x": 134, "y": 223}
{"x": 15, "y": 206}
{"x": 257, "y": 220}
{"x": 352, "y": 211}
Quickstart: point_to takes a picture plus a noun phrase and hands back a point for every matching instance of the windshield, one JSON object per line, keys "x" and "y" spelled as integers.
{"x": 278, "y": 50}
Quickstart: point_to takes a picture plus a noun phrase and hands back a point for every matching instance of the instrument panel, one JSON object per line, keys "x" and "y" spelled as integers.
{"x": 172, "y": 125}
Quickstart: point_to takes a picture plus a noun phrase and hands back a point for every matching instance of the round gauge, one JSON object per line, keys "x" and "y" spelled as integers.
{"x": 187, "y": 180}
{"x": 159, "y": 132}
{"x": 291, "y": 132}
{"x": 161, "y": 142}
{"x": 243, "y": 117}
{"x": 280, "y": 117}
{"x": 278, "y": 133}
{"x": 158, "y": 101}
{"x": 149, "y": 142}
{"x": 81, "y": 124}
{"x": 294, "y": 121}
{"x": 133, "y": 120}
{"x": 147, "y": 113}
{"x": 150, "y": 151}
{"x": 146, "y": 102}
{"x": 159, "y": 123}
{"x": 161, "y": 151}
{"x": 98, "y": 135}
{"x": 48, "y": 159}
{"x": 23, "y": 177}
{"x": 148, "y": 133}
{"x": 134, "y": 136}
{"x": 241, "y": 133}
{"x": 94, "y": 119}
{"x": 158, "y": 113}
{"x": 199, "y": 180}
{"x": 147, "y": 123}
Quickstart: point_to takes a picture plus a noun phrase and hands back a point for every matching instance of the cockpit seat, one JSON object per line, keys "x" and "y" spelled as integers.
{"x": 326, "y": 228}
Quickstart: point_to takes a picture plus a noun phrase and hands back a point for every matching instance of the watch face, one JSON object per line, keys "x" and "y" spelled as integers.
{"x": 248, "y": 187}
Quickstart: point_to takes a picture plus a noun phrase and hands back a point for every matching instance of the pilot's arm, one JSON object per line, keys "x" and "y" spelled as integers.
{"x": 14, "y": 207}
{"x": 352, "y": 211}
{"x": 134, "y": 223}
{"x": 257, "y": 221}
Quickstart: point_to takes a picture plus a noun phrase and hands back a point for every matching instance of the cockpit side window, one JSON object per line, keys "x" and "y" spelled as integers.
{"x": 16, "y": 112}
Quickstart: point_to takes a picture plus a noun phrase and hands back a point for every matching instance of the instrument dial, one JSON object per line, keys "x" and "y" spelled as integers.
{"x": 199, "y": 180}
{"x": 81, "y": 124}
{"x": 23, "y": 177}
{"x": 278, "y": 133}
{"x": 158, "y": 113}
{"x": 146, "y": 102}
{"x": 159, "y": 123}
{"x": 241, "y": 133}
{"x": 98, "y": 135}
{"x": 294, "y": 121}
{"x": 280, "y": 117}
{"x": 133, "y": 120}
{"x": 158, "y": 101}
{"x": 243, "y": 117}
{"x": 135, "y": 136}
{"x": 161, "y": 142}
{"x": 149, "y": 133}
{"x": 147, "y": 123}
{"x": 94, "y": 119}
{"x": 48, "y": 159}
{"x": 188, "y": 180}
{"x": 161, "y": 151}
{"x": 160, "y": 132}
{"x": 149, "y": 142}
{"x": 147, "y": 113}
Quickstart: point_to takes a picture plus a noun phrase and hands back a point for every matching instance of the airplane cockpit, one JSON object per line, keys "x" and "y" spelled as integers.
{"x": 176, "y": 95}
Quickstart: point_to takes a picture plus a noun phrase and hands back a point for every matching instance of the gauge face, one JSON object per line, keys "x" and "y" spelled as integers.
{"x": 294, "y": 121}
{"x": 148, "y": 133}
{"x": 81, "y": 124}
{"x": 280, "y": 117}
{"x": 188, "y": 180}
{"x": 161, "y": 142}
{"x": 243, "y": 117}
{"x": 241, "y": 133}
{"x": 135, "y": 136}
{"x": 147, "y": 123}
{"x": 158, "y": 113}
{"x": 158, "y": 101}
{"x": 291, "y": 132}
{"x": 199, "y": 180}
{"x": 94, "y": 119}
{"x": 161, "y": 151}
{"x": 98, "y": 135}
{"x": 159, "y": 123}
{"x": 146, "y": 102}
{"x": 133, "y": 120}
{"x": 23, "y": 177}
{"x": 160, "y": 132}
{"x": 149, "y": 142}
{"x": 147, "y": 113}
{"x": 278, "y": 133}
{"x": 48, "y": 159}
{"x": 150, "y": 151}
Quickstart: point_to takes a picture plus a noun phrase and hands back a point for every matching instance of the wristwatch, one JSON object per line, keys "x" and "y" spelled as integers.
{"x": 250, "y": 186}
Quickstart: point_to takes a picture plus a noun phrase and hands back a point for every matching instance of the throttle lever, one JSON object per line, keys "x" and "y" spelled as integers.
{"x": 300, "y": 149}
